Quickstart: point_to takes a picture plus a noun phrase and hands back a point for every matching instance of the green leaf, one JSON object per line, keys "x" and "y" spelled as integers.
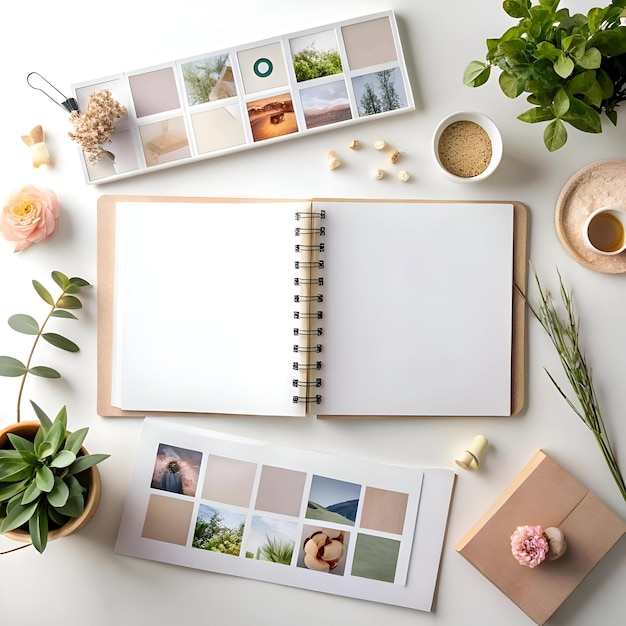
{"x": 85, "y": 462}
{"x": 581, "y": 83}
{"x": 31, "y": 494}
{"x": 63, "y": 459}
{"x": 560, "y": 105}
{"x": 509, "y": 85}
{"x": 79, "y": 282}
{"x": 546, "y": 50}
{"x": 46, "y": 422}
{"x": 476, "y": 74}
{"x": 606, "y": 84}
{"x": 11, "y": 367}
{"x": 18, "y": 515}
{"x": 56, "y": 517}
{"x": 583, "y": 117}
{"x": 516, "y": 8}
{"x": 24, "y": 324}
{"x": 55, "y": 437}
{"x": 69, "y": 302}
{"x": 38, "y": 527}
{"x": 590, "y": 60}
{"x": 594, "y": 95}
{"x": 13, "y": 470}
{"x": 21, "y": 444}
{"x": 60, "y": 493}
{"x": 44, "y": 478}
{"x": 536, "y": 114}
{"x": 43, "y": 293}
{"x": 610, "y": 43}
{"x": 75, "y": 504}
{"x": 10, "y": 490}
{"x": 563, "y": 66}
{"x": 61, "y": 280}
{"x": 60, "y": 342}
{"x": 612, "y": 115}
{"x": 44, "y": 372}
{"x": 595, "y": 17}
{"x": 555, "y": 135}
{"x": 75, "y": 440}
{"x": 65, "y": 314}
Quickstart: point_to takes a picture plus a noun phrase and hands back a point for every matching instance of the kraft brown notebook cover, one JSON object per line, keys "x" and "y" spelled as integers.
{"x": 381, "y": 248}
{"x": 543, "y": 493}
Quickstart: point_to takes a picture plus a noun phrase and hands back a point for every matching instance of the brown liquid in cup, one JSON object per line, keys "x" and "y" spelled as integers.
{"x": 606, "y": 232}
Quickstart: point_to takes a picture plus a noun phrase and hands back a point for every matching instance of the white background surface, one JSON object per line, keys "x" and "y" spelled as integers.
{"x": 71, "y": 43}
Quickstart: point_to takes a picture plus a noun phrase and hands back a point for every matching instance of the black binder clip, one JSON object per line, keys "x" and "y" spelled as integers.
{"x": 69, "y": 104}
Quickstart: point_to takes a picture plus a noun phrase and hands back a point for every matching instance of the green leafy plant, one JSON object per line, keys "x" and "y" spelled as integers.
{"x": 573, "y": 67}
{"x": 22, "y": 323}
{"x": 562, "y": 328}
{"x": 38, "y": 479}
{"x": 39, "y": 485}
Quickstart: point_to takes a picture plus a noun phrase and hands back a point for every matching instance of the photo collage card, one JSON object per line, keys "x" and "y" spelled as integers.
{"x": 234, "y": 99}
{"x": 241, "y": 507}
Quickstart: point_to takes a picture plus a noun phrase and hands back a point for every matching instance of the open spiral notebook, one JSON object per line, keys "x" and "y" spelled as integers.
{"x": 338, "y": 308}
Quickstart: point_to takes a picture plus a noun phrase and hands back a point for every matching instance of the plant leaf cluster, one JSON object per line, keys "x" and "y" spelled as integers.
{"x": 60, "y": 308}
{"x": 573, "y": 67}
{"x": 38, "y": 479}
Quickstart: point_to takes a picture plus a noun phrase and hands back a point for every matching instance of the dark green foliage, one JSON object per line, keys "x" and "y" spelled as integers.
{"x": 573, "y": 67}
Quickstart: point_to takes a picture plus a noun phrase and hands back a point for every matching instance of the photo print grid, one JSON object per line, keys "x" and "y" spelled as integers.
{"x": 217, "y": 103}
{"x": 261, "y": 512}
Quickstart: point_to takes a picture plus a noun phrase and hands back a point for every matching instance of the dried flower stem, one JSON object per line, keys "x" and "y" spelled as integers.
{"x": 563, "y": 331}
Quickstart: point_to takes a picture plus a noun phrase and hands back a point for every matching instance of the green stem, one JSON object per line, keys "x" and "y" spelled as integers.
{"x": 32, "y": 351}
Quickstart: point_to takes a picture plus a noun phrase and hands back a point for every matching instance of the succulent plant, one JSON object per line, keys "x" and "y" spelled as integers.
{"x": 38, "y": 479}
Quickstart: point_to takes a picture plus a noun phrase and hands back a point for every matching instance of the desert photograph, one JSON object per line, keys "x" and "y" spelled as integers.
{"x": 272, "y": 117}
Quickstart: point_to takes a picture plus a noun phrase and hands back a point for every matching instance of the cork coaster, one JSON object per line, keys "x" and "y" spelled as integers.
{"x": 599, "y": 184}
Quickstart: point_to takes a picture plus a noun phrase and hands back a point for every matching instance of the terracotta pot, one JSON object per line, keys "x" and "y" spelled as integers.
{"x": 90, "y": 479}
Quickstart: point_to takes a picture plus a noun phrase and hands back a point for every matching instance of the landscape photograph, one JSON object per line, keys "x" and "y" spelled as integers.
{"x": 379, "y": 92}
{"x": 272, "y": 117}
{"x": 271, "y": 539}
{"x": 332, "y": 500}
{"x": 219, "y": 529}
{"x": 325, "y": 104}
{"x": 315, "y": 56}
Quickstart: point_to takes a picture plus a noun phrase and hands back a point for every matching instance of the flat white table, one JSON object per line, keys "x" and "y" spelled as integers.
{"x": 69, "y": 44}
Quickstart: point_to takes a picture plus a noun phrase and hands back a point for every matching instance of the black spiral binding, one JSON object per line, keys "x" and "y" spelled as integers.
{"x": 308, "y": 312}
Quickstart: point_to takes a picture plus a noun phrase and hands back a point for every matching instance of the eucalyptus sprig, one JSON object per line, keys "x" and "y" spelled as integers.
{"x": 563, "y": 330}
{"x": 26, "y": 324}
{"x": 573, "y": 67}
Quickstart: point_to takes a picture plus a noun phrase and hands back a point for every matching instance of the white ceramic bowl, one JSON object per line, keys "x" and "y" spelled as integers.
{"x": 492, "y": 131}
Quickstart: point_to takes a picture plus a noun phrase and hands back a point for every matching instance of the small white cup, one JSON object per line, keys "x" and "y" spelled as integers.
{"x": 465, "y": 148}
{"x": 604, "y": 231}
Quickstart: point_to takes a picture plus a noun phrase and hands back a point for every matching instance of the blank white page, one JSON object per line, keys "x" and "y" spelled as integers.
{"x": 417, "y": 309}
{"x": 204, "y": 304}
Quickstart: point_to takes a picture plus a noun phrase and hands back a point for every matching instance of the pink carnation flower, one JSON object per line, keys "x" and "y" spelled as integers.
{"x": 29, "y": 215}
{"x": 529, "y": 545}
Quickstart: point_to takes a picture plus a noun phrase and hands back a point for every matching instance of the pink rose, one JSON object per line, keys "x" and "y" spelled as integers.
{"x": 29, "y": 215}
{"x": 529, "y": 545}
